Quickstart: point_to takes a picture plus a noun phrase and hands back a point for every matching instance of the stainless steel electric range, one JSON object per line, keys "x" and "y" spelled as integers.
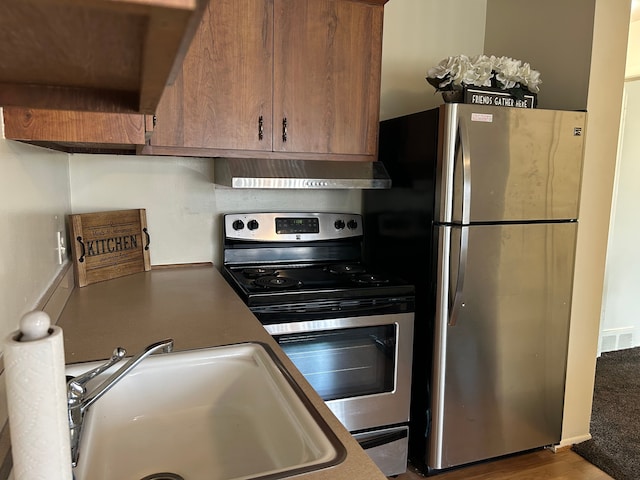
{"x": 347, "y": 326}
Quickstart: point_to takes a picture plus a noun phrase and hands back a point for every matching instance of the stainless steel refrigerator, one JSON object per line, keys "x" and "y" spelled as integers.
{"x": 491, "y": 195}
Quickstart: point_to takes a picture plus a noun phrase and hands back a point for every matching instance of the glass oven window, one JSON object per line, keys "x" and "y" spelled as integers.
{"x": 344, "y": 363}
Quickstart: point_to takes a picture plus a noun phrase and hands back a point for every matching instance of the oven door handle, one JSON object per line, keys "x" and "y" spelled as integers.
{"x": 373, "y": 308}
{"x": 263, "y": 313}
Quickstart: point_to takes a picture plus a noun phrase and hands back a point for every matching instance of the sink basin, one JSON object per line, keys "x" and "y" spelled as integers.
{"x": 222, "y": 413}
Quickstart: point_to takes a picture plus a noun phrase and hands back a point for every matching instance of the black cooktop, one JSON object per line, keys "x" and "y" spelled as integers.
{"x": 263, "y": 285}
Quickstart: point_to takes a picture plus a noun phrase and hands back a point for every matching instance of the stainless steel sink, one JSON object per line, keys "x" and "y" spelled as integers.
{"x": 223, "y": 413}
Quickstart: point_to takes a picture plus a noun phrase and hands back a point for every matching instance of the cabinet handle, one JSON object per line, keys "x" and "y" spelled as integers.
{"x": 260, "y": 128}
{"x": 284, "y": 129}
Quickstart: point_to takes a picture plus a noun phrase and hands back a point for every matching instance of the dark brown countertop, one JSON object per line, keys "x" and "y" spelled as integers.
{"x": 197, "y": 308}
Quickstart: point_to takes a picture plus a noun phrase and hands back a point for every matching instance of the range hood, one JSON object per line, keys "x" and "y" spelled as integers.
{"x": 299, "y": 174}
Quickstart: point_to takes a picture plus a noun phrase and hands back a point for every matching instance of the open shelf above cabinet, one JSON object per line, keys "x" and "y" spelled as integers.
{"x": 93, "y": 55}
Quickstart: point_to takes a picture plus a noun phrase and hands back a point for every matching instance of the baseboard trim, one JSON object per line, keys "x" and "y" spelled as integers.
{"x": 569, "y": 442}
{"x": 58, "y": 293}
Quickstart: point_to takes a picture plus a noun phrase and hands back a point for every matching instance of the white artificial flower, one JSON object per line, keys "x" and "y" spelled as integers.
{"x": 530, "y": 78}
{"x": 482, "y": 71}
{"x": 447, "y": 70}
{"x": 507, "y": 72}
{"x": 464, "y": 72}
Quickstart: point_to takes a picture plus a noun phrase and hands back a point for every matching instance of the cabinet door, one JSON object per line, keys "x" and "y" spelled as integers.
{"x": 225, "y": 86}
{"x": 327, "y": 60}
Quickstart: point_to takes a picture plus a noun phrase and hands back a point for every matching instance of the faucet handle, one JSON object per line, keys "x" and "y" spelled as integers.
{"x": 77, "y": 384}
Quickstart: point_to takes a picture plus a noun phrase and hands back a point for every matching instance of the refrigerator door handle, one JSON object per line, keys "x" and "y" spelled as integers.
{"x": 458, "y": 303}
{"x": 465, "y": 155}
{"x": 464, "y": 158}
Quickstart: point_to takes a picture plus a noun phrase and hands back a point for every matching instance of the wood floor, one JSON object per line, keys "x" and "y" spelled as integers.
{"x": 543, "y": 464}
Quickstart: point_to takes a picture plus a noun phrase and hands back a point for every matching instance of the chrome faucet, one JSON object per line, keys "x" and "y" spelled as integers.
{"x": 79, "y": 400}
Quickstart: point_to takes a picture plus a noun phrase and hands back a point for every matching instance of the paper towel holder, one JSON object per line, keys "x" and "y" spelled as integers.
{"x": 35, "y": 371}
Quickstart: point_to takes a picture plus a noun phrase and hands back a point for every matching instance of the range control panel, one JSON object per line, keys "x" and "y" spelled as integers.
{"x": 292, "y": 227}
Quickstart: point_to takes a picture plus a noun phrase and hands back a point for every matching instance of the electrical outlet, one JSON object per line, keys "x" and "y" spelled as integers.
{"x": 62, "y": 250}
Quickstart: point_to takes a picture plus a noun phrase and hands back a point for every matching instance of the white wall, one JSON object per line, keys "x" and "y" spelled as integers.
{"x": 633, "y": 58}
{"x": 417, "y": 35}
{"x": 554, "y": 37}
{"x": 620, "y": 326}
{"x": 183, "y": 205}
{"x": 34, "y": 200}
{"x": 633, "y": 53}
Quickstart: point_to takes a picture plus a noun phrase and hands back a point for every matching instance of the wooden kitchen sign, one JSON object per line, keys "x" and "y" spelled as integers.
{"x": 108, "y": 245}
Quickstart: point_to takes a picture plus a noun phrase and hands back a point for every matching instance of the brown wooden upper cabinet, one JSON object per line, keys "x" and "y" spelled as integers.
{"x": 93, "y": 55}
{"x": 277, "y": 79}
{"x": 74, "y": 131}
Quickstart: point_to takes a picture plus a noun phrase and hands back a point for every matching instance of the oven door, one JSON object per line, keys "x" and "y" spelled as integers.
{"x": 361, "y": 366}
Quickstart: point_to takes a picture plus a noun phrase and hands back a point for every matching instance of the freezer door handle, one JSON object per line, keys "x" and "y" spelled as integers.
{"x": 457, "y": 303}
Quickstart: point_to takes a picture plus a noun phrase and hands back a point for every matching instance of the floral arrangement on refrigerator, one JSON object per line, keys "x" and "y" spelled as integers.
{"x": 504, "y": 73}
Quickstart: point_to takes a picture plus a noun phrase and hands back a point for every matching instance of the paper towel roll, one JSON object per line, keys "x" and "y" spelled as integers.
{"x": 37, "y": 400}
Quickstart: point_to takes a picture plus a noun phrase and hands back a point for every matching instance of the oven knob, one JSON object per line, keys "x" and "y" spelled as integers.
{"x": 238, "y": 225}
{"x": 352, "y": 224}
{"x": 339, "y": 224}
{"x": 252, "y": 224}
